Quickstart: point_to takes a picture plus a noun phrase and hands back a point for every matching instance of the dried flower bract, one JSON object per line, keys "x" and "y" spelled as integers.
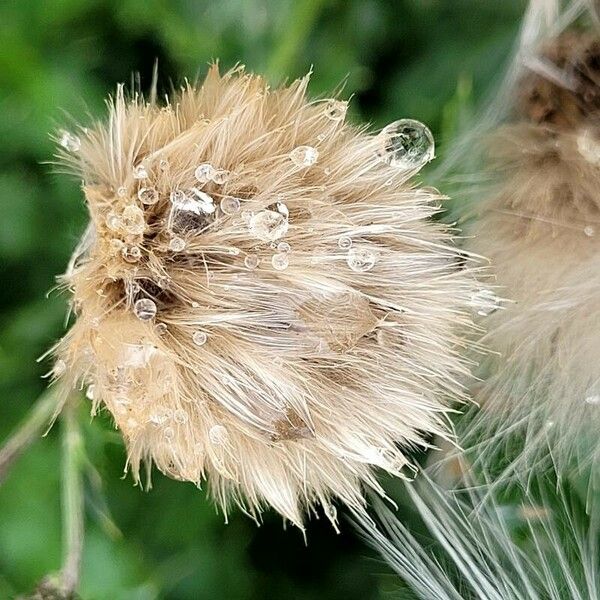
{"x": 261, "y": 298}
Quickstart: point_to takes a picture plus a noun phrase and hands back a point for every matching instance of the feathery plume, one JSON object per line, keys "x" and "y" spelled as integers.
{"x": 261, "y": 297}
{"x": 476, "y": 548}
{"x": 539, "y": 224}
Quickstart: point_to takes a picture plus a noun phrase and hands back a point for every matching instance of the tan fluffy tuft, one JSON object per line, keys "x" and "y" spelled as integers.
{"x": 283, "y": 375}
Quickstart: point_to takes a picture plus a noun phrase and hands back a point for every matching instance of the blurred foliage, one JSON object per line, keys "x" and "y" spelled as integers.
{"x": 426, "y": 59}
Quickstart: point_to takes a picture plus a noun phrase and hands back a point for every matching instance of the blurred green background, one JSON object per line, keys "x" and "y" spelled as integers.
{"x": 427, "y": 59}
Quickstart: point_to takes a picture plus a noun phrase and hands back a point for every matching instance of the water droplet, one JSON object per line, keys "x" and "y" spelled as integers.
{"x": 280, "y": 261}
{"x": 116, "y": 246}
{"x": 144, "y": 309}
{"x": 140, "y": 172}
{"x": 406, "y": 144}
{"x": 180, "y": 416}
{"x": 148, "y": 196}
{"x": 131, "y": 254}
{"x": 189, "y": 210}
{"x": 137, "y": 355}
{"x": 122, "y": 192}
{"x": 304, "y": 156}
{"x": 230, "y": 205}
{"x": 593, "y": 399}
{"x": 113, "y": 221}
{"x": 161, "y": 328}
{"x": 589, "y": 231}
{"x": 163, "y": 165}
{"x": 89, "y": 393}
{"x": 132, "y": 220}
{"x": 218, "y": 435}
{"x": 361, "y": 258}
{"x": 160, "y": 415}
{"x": 199, "y": 338}
{"x": 251, "y": 261}
{"x": 163, "y": 282}
{"x": 69, "y": 141}
{"x": 268, "y": 225}
{"x": 176, "y": 244}
{"x": 336, "y": 110}
{"x": 221, "y": 176}
{"x": 283, "y": 247}
{"x": 589, "y": 147}
{"x": 204, "y": 172}
{"x": 169, "y": 433}
{"x": 344, "y": 242}
{"x": 59, "y": 369}
{"x": 484, "y": 302}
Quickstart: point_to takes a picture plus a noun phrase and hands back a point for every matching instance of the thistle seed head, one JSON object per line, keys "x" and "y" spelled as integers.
{"x": 261, "y": 298}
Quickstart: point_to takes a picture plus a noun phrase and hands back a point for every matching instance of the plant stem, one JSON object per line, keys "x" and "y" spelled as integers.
{"x": 72, "y": 500}
{"x": 30, "y": 429}
{"x": 304, "y": 15}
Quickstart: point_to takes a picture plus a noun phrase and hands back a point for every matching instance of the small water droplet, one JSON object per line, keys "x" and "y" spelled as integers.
{"x": 484, "y": 302}
{"x": 163, "y": 165}
{"x": 283, "y": 247}
{"x": 140, "y": 172}
{"x": 251, "y": 261}
{"x": 589, "y": 147}
{"x": 268, "y": 225}
{"x": 406, "y": 144}
{"x": 304, "y": 156}
{"x": 593, "y": 399}
{"x": 336, "y": 110}
{"x": 204, "y": 172}
{"x": 163, "y": 282}
{"x": 230, "y": 205}
{"x": 199, "y": 338}
{"x": 131, "y": 254}
{"x": 116, "y": 246}
{"x": 160, "y": 415}
{"x": 122, "y": 192}
{"x": 280, "y": 262}
{"x": 176, "y": 244}
{"x": 189, "y": 210}
{"x": 221, "y": 176}
{"x": 59, "y": 369}
{"x": 144, "y": 309}
{"x": 69, "y": 141}
{"x": 137, "y": 355}
{"x": 344, "y": 242}
{"x": 180, "y": 416}
{"x": 589, "y": 231}
{"x": 113, "y": 221}
{"x": 169, "y": 433}
{"x": 89, "y": 393}
{"x": 132, "y": 220}
{"x": 218, "y": 435}
{"x": 148, "y": 196}
{"x": 161, "y": 328}
{"x": 361, "y": 258}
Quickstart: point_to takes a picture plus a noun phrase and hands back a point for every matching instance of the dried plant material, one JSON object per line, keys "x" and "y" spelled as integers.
{"x": 261, "y": 298}
{"x": 540, "y": 227}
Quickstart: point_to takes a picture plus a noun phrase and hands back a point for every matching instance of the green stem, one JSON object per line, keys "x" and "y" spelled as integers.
{"x": 30, "y": 429}
{"x": 299, "y": 24}
{"x": 72, "y": 500}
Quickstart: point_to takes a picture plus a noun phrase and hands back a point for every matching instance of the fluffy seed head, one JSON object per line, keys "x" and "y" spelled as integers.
{"x": 261, "y": 298}
{"x": 540, "y": 227}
